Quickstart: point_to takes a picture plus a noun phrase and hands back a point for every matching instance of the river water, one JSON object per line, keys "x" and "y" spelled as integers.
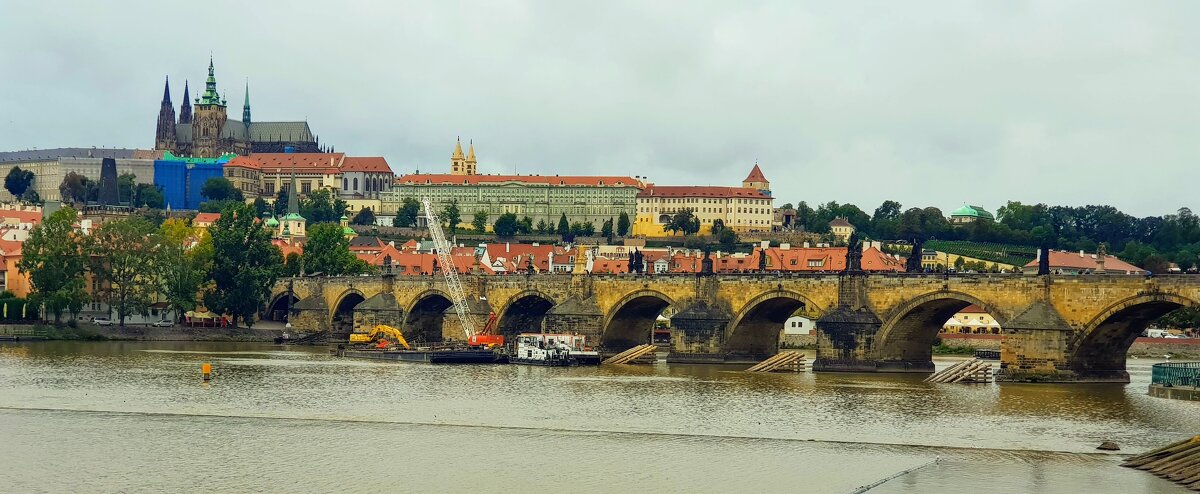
{"x": 135, "y": 417}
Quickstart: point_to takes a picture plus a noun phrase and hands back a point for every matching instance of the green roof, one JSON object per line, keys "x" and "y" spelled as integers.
{"x": 348, "y": 231}
{"x": 293, "y": 216}
{"x": 167, "y": 156}
{"x": 972, "y": 211}
{"x": 272, "y": 222}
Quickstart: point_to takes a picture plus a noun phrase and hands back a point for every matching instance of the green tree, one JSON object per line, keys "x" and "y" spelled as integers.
{"x": 291, "y": 265}
{"x": 182, "y": 266}
{"x": 451, "y": 216}
{"x": 506, "y": 225}
{"x": 364, "y": 217}
{"x": 321, "y": 207}
{"x": 728, "y": 239}
{"x": 606, "y": 228}
{"x": 32, "y": 197}
{"x": 220, "y": 189}
{"x": 280, "y": 204}
{"x": 261, "y": 207}
{"x": 1156, "y": 264}
{"x": 218, "y": 206}
{"x": 787, "y": 206}
{"x": 245, "y": 264}
{"x": 327, "y": 251}
{"x": 53, "y": 257}
{"x": 122, "y": 254}
{"x": 406, "y": 216}
{"x": 542, "y": 226}
{"x": 74, "y": 188}
{"x": 18, "y": 181}
{"x": 525, "y": 226}
{"x": 148, "y": 196}
{"x": 718, "y": 226}
{"x": 479, "y": 221}
{"x": 685, "y": 221}
{"x": 564, "y": 227}
{"x": 623, "y": 224}
{"x": 805, "y": 216}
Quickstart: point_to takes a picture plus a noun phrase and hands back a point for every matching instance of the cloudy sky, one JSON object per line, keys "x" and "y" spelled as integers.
{"x": 927, "y": 103}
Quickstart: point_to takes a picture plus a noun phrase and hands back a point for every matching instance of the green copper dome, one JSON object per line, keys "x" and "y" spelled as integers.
{"x": 972, "y": 211}
{"x": 348, "y": 231}
{"x": 272, "y": 222}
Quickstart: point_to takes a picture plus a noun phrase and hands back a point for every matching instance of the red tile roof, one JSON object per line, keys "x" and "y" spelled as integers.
{"x": 755, "y": 175}
{"x": 1060, "y": 259}
{"x": 700, "y": 191}
{"x": 21, "y": 216}
{"x": 243, "y": 162}
{"x": 840, "y": 222}
{"x": 206, "y": 218}
{"x": 447, "y": 179}
{"x": 368, "y": 164}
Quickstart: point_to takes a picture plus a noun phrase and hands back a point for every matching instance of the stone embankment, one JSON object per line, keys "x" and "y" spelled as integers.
{"x": 1142, "y": 347}
{"x": 149, "y": 333}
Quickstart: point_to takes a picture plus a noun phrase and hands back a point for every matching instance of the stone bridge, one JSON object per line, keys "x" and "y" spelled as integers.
{"x": 1056, "y": 328}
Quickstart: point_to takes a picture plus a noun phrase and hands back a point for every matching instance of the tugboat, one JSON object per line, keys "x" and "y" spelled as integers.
{"x": 553, "y": 350}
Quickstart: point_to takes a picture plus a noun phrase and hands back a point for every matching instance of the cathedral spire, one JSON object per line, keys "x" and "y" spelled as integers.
{"x": 458, "y": 154}
{"x": 210, "y": 96}
{"x": 167, "y": 92}
{"x": 185, "y": 109}
{"x": 246, "y": 106}
{"x": 471, "y": 151}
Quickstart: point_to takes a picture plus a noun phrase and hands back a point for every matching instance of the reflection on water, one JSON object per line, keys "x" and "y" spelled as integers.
{"x": 683, "y": 428}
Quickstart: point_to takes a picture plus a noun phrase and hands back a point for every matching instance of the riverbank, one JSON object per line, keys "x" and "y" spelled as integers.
{"x": 91, "y": 332}
{"x": 1142, "y": 347}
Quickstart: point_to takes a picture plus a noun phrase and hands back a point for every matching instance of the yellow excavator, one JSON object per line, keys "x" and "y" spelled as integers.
{"x": 379, "y": 336}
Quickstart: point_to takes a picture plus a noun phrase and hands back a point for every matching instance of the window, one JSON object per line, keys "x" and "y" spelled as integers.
{"x": 344, "y": 184}
{"x": 356, "y": 184}
{"x": 305, "y": 187}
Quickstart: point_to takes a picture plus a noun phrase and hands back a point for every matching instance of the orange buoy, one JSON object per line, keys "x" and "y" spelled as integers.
{"x": 206, "y": 371}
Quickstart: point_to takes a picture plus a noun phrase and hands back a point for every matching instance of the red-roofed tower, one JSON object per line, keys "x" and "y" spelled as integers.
{"x": 755, "y": 180}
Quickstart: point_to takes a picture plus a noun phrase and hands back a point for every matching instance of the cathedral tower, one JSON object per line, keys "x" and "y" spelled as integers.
{"x": 209, "y": 119}
{"x": 185, "y": 109}
{"x": 470, "y": 163}
{"x": 458, "y": 162}
{"x": 246, "y": 107}
{"x": 164, "y": 133}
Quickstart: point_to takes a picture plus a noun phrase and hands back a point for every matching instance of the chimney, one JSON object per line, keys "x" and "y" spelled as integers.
{"x": 805, "y": 244}
{"x": 1080, "y": 253}
{"x": 785, "y": 246}
{"x": 765, "y": 244}
{"x": 391, "y": 243}
{"x": 535, "y": 244}
{"x": 506, "y": 247}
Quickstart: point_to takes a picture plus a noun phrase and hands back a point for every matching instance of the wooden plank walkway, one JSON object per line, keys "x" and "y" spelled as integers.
{"x": 781, "y": 362}
{"x": 632, "y": 355}
{"x": 1178, "y": 462}
{"x": 970, "y": 371}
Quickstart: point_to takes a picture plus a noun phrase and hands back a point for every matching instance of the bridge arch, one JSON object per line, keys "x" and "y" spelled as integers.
{"x": 909, "y": 331}
{"x": 342, "y": 316}
{"x": 277, "y": 309}
{"x": 524, "y": 313}
{"x": 423, "y": 318}
{"x": 630, "y": 322}
{"x": 1101, "y": 347}
{"x": 755, "y": 330}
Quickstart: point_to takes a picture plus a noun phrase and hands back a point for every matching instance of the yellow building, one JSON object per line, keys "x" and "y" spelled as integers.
{"x": 841, "y": 228}
{"x": 744, "y": 209}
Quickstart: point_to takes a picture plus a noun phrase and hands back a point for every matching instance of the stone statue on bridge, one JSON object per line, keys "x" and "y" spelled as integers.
{"x": 853, "y": 255}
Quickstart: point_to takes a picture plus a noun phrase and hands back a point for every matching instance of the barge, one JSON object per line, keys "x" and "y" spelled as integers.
{"x": 466, "y": 355}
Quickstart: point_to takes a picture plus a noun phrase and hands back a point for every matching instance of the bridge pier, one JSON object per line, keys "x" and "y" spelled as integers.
{"x": 698, "y": 334}
{"x": 576, "y": 315}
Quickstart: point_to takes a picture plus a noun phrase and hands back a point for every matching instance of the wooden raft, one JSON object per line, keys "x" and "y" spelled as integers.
{"x": 633, "y": 355}
{"x": 1178, "y": 462}
{"x": 781, "y": 362}
{"x": 968, "y": 372}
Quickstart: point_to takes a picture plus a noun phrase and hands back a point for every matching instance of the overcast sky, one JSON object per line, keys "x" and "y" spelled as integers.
{"x": 927, "y": 103}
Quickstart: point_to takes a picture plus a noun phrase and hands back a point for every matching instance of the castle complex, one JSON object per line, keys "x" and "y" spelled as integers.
{"x": 207, "y": 132}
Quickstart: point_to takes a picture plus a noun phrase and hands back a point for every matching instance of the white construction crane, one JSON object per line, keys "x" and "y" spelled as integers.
{"x": 446, "y": 263}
